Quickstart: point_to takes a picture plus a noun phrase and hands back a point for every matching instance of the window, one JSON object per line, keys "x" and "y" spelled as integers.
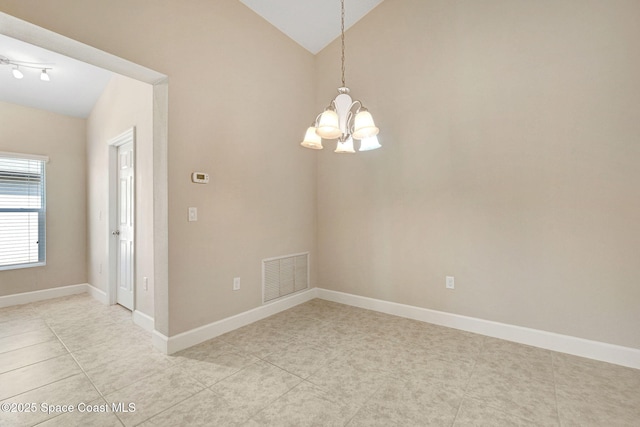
{"x": 22, "y": 210}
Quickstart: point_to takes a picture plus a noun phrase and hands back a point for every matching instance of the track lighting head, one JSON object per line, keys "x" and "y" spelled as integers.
{"x": 17, "y": 73}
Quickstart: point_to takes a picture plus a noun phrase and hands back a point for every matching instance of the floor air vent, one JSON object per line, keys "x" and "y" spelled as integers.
{"x": 284, "y": 275}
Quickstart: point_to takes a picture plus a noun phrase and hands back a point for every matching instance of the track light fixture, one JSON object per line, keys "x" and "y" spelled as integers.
{"x": 17, "y": 73}
{"x": 344, "y": 120}
{"x": 16, "y": 65}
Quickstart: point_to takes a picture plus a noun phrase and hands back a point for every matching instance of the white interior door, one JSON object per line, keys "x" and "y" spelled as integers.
{"x": 125, "y": 232}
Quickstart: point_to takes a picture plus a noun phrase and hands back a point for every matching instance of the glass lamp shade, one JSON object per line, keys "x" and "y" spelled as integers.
{"x": 329, "y": 126}
{"x": 369, "y": 143}
{"x": 44, "y": 76}
{"x": 345, "y": 146}
{"x": 363, "y": 126}
{"x": 312, "y": 139}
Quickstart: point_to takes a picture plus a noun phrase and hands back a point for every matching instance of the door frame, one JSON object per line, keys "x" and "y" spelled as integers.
{"x": 112, "y": 288}
{"x": 47, "y": 39}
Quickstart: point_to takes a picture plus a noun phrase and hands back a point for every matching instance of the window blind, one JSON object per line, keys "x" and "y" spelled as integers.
{"x": 22, "y": 211}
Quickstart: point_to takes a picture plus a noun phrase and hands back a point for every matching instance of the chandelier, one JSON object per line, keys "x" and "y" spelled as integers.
{"x": 15, "y": 68}
{"x": 344, "y": 120}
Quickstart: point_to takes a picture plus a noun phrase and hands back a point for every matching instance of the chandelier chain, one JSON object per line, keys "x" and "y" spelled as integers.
{"x": 342, "y": 37}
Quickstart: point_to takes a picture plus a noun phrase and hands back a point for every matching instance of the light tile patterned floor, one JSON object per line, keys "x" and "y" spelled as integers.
{"x": 318, "y": 364}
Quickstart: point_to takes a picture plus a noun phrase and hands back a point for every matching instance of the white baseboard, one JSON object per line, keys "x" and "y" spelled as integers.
{"x": 28, "y": 297}
{"x": 145, "y": 321}
{"x": 97, "y": 294}
{"x": 605, "y": 352}
{"x": 139, "y": 318}
{"x": 610, "y": 353}
{"x": 160, "y": 342}
{"x": 169, "y": 345}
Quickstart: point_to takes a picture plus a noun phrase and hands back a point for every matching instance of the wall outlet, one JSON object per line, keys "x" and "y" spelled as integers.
{"x": 450, "y": 282}
{"x": 193, "y": 214}
{"x": 236, "y": 283}
{"x": 145, "y": 280}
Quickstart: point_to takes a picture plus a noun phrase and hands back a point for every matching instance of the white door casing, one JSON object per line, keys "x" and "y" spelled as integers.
{"x": 122, "y": 220}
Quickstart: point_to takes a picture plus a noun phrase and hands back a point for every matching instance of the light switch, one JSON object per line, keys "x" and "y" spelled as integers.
{"x": 193, "y": 214}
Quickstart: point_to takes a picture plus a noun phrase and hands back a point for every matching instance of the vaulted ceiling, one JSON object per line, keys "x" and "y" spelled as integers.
{"x": 75, "y": 86}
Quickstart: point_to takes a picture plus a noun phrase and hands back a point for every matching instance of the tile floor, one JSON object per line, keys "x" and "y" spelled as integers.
{"x": 317, "y": 364}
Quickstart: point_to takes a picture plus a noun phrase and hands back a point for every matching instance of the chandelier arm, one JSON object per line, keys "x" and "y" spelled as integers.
{"x": 359, "y": 108}
{"x": 349, "y": 124}
{"x": 331, "y": 106}
{"x": 317, "y": 120}
{"x": 350, "y": 116}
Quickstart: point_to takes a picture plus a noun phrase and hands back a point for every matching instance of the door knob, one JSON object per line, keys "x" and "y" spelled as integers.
{"x": 116, "y": 233}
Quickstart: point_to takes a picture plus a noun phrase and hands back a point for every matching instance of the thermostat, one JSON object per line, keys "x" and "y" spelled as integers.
{"x": 200, "y": 177}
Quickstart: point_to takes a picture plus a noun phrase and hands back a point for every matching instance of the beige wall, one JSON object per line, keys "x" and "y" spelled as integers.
{"x": 238, "y": 107}
{"x": 510, "y": 160}
{"x": 32, "y": 131}
{"x": 509, "y": 157}
{"x": 125, "y": 103}
{"x": 240, "y": 96}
